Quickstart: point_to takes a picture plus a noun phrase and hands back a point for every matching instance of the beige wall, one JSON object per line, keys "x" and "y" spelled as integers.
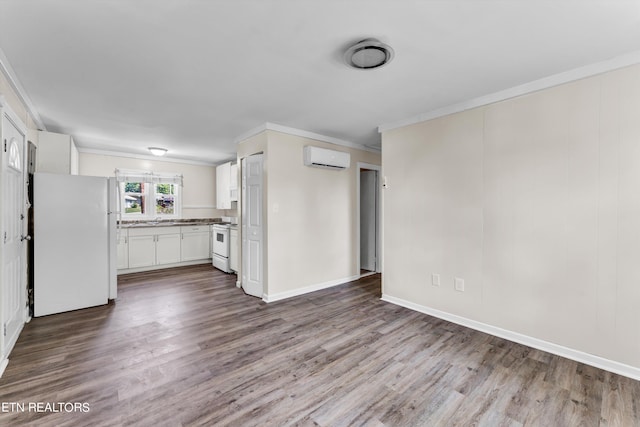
{"x": 18, "y": 107}
{"x": 535, "y": 203}
{"x": 199, "y": 182}
{"x": 310, "y": 214}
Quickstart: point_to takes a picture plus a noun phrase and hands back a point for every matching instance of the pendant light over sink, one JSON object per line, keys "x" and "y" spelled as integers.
{"x": 368, "y": 53}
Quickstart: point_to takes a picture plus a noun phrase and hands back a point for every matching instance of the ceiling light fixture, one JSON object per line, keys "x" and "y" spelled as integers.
{"x": 156, "y": 151}
{"x": 368, "y": 54}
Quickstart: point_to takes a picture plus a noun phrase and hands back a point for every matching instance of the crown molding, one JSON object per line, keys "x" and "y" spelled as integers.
{"x": 10, "y": 75}
{"x": 144, "y": 157}
{"x": 590, "y": 70}
{"x": 304, "y": 134}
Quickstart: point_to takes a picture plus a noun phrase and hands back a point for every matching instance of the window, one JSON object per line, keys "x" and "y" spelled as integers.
{"x": 147, "y": 195}
{"x": 14, "y": 155}
{"x": 134, "y": 198}
{"x": 165, "y": 198}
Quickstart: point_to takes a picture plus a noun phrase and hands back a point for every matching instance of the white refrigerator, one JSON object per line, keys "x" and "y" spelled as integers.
{"x": 74, "y": 219}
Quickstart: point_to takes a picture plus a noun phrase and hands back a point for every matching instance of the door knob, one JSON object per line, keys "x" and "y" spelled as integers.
{"x": 27, "y": 237}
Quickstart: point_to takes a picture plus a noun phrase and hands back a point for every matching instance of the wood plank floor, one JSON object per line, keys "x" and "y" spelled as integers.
{"x": 186, "y": 347}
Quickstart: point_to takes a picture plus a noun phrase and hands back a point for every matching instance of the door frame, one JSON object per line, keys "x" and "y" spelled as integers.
{"x": 378, "y": 169}
{"x": 6, "y": 110}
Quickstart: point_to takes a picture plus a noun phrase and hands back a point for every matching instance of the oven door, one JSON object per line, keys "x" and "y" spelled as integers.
{"x": 221, "y": 242}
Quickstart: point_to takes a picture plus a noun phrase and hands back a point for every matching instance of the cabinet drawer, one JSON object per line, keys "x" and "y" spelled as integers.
{"x": 195, "y": 228}
{"x": 153, "y": 231}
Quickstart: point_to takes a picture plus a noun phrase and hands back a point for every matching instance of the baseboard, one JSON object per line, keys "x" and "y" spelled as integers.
{"x": 569, "y": 353}
{"x": 3, "y": 366}
{"x": 367, "y": 274}
{"x": 163, "y": 266}
{"x": 307, "y": 289}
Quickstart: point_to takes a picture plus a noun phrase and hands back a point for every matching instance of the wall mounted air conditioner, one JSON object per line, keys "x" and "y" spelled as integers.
{"x": 323, "y": 158}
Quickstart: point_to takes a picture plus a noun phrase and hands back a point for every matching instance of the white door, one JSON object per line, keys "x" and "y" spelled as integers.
{"x": 13, "y": 265}
{"x": 252, "y": 226}
{"x": 368, "y": 210}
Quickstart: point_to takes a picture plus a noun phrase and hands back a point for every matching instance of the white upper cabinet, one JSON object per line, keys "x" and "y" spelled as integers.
{"x": 233, "y": 183}
{"x": 57, "y": 153}
{"x": 226, "y": 185}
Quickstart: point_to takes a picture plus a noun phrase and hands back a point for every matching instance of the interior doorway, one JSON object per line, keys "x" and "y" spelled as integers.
{"x": 369, "y": 218}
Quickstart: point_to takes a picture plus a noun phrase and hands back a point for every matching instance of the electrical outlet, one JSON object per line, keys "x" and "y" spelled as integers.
{"x": 435, "y": 279}
{"x": 459, "y": 284}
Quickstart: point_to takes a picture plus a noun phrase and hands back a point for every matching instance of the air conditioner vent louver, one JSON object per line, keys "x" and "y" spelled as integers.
{"x": 324, "y": 158}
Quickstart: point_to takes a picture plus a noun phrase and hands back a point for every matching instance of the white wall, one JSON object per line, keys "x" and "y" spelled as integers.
{"x": 17, "y": 106}
{"x": 199, "y": 182}
{"x": 535, "y": 202}
{"x": 311, "y": 215}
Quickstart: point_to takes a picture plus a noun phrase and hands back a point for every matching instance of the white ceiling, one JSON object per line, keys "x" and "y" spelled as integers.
{"x": 193, "y": 75}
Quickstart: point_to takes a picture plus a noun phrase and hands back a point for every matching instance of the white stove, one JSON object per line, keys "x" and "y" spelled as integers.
{"x": 220, "y": 247}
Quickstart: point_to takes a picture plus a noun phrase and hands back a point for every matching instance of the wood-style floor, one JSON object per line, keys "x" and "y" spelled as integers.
{"x": 186, "y": 347}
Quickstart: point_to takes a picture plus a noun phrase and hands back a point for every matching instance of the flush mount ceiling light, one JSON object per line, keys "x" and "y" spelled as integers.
{"x": 156, "y": 151}
{"x": 368, "y": 54}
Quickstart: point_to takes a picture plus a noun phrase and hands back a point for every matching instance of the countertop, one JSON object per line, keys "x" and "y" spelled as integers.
{"x": 169, "y": 223}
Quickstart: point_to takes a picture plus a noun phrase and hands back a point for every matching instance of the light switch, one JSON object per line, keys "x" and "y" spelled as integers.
{"x": 459, "y": 284}
{"x": 276, "y": 208}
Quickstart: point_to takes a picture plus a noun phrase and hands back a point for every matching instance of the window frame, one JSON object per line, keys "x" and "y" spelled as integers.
{"x": 149, "y": 182}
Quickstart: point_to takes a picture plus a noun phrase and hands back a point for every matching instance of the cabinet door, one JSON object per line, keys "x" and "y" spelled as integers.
{"x": 195, "y": 246}
{"x": 223, "y": 177}
{"x": 233, "y": 250}
{"x": 122, "y": 249}
{"x": 142, "y": 251}
{"x": 233, "y": 183}
{"x": 56, "y": 153}
{"x": 167, "y": 248}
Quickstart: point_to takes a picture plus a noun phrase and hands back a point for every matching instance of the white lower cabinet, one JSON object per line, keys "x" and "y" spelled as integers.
{"x": 153, "y": 246}
{"x": 233, "y": 249}
{"x": 167, "y": 248}
{"x": 142, "y": 251}
{"x": 196, "y": 242}
{"x": 122, "y": 249}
